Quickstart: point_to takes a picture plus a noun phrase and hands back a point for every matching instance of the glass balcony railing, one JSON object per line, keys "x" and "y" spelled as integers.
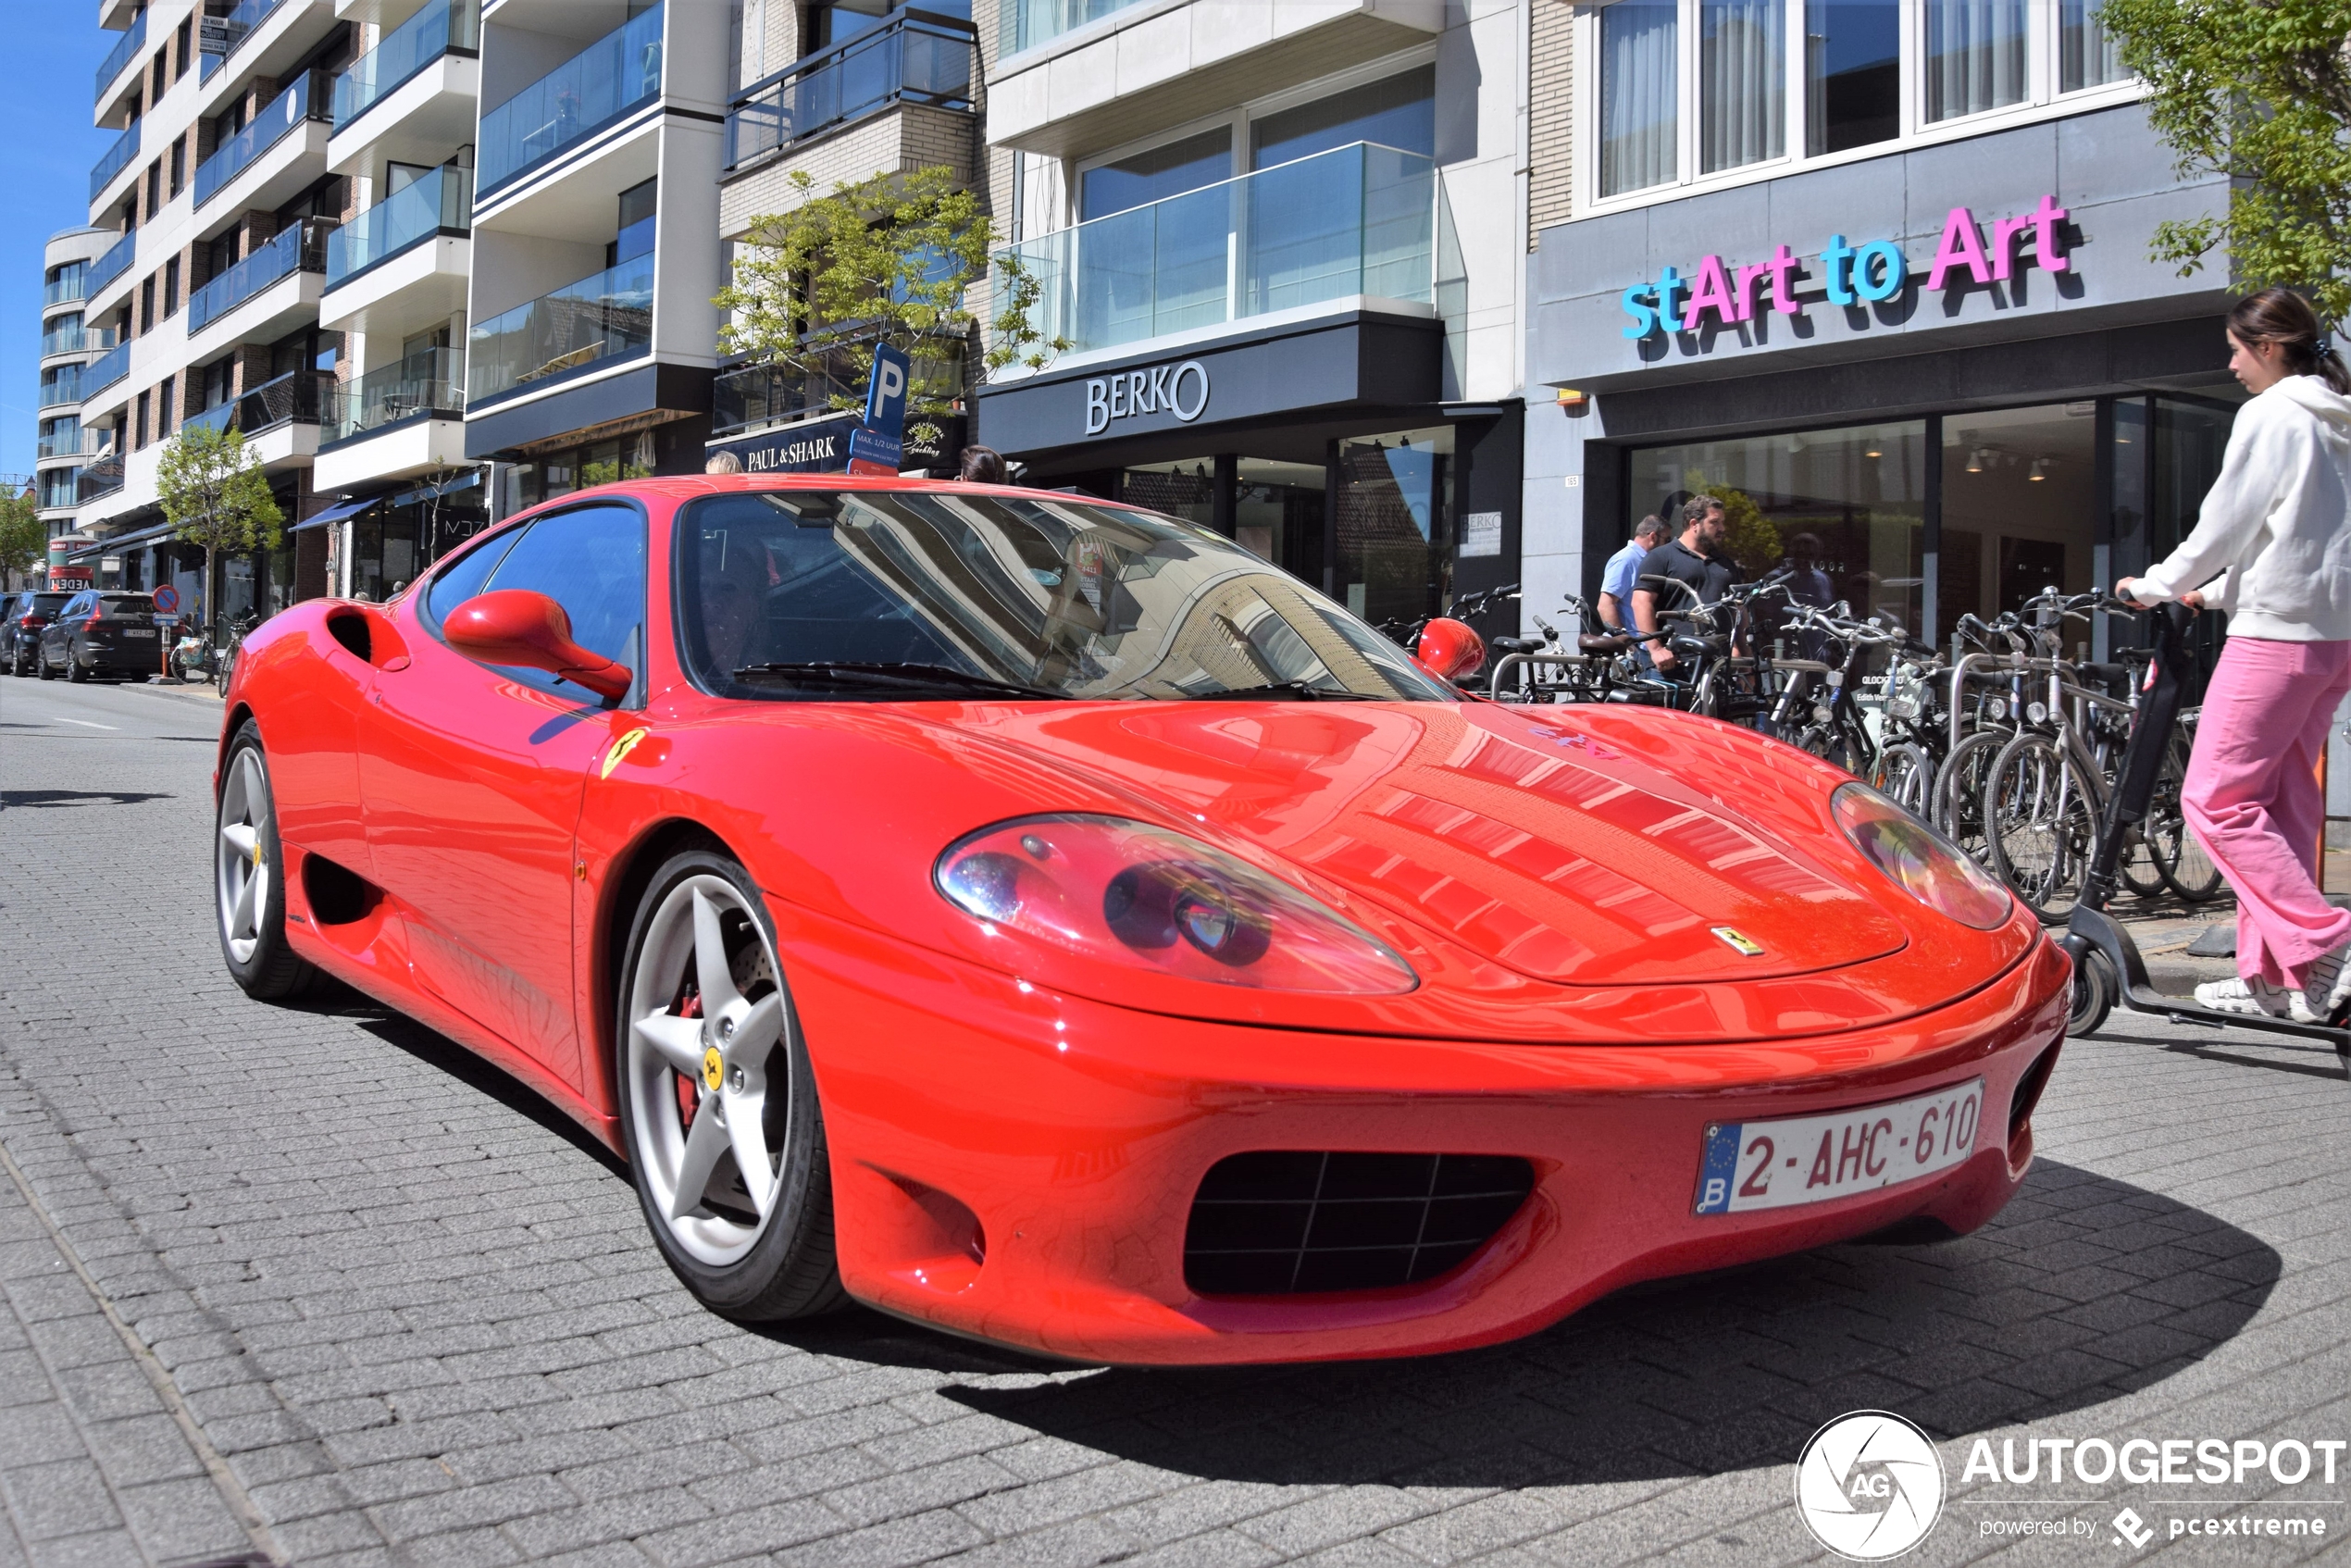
{"x": 443, "y": 26}
{"x": 76, "y": 339}
{"x": 753, "y": 395}
{"x": 59, "y": 487}
{"x": 913, "y": 59}
{"x": 290, "y": 399}
{"x": 299, "y": 247}
{"x": 60, "y": 438}
{"x": 224, "y": 33}
{"x": 115, "y": 263}
{"x": 440, "y": 203}
{"x": 1359, "y": 220}
{"x": 429, "y": 382}
{"x": 305, "y": 100}
{"x": 125, "y": 50}
{"x": 1030, "y": 22}
{"x": 603, "y": 82}
{"x": 62, "y": 386}
{"x": 118, "y": 158}
{"x": 608, "y": 317}
{"x": 100, "y": 374}
{"x": 102, "y": 476}
{"x": 72, "y": 282}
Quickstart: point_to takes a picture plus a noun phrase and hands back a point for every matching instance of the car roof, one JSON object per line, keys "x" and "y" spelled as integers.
{"x": 682, "y": 487}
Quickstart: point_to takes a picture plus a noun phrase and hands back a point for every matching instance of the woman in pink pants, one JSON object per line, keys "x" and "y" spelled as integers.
{"x": 2273, "y": 547}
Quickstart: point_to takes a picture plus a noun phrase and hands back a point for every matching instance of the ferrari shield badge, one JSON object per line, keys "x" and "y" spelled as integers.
{"x": 714, "y": 1071}
{"x": 620, "y": 749}
{"x": 1738, "y": 941}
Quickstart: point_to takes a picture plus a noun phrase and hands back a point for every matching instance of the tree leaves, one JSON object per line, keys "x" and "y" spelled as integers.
{"x": 213, "y": 492}
{"x": 2258, "y": 91}
{"x": 24, "y": 538}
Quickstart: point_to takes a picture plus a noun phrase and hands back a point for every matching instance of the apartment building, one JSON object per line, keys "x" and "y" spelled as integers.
{"x": 1285, "y": 243}
{"x": 1877, "y": 273}
{"x": 69, "y": 342}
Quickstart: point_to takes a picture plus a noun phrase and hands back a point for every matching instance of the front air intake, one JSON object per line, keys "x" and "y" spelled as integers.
{"x": 1290, "y": 1221}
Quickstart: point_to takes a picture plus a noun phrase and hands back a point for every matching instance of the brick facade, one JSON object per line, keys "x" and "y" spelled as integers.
{"x": 1551, "y": 131}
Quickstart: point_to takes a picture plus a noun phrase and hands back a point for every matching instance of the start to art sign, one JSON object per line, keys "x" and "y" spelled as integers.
{"x": 1851, "y": 275}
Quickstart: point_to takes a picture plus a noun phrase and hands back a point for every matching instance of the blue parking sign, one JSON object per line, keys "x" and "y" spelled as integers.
{"x": 886, "y": 393}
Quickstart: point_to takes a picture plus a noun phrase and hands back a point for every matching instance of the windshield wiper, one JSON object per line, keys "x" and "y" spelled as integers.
{"x": 871, "y": 675}
{"x": 1296, "y": 691}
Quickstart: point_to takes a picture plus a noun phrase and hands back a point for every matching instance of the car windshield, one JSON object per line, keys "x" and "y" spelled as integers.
{"x": 906, "y": 594}
{"x": 43, "y": 603}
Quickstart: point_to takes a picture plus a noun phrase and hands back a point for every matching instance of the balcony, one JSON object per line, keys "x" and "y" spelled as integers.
{"x": 915, "y": 58}
{"x": 59, "y": 488}
{"x": 64, "y": 290}
{"x": 101, "y": 373}
{"x": 115, "y": 263}
{"x": 1030, "y": 22}
{"x": 440, "y": 203}
{"x": 125, "y": 50}
{"x": 289, "y": 399}
{"x": 299, "y": 247}
{"x": 431, "y": 381}
{"x": 63, "y": 442}
{"x": 594, "y": 89}
{"x": 64, "y": 385}
{"x": 76, "y": 339}
{"x": 224, "y": 34}
{"x": 1356, "y": 220}
{"x": 751, "y": 397}
{"x": 305, "y": 100}
{"x": 118, "y": 158}
{"x": 443, "y": 26}
{"x": 609, "y": 316}
{"x": 103, "y": 475}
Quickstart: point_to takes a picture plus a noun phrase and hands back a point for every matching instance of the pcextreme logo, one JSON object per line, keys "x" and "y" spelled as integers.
{"x": 1869, "y": 1486}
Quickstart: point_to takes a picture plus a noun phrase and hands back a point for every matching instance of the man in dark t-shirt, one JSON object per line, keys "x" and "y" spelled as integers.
{"x": 1698, "y": 561}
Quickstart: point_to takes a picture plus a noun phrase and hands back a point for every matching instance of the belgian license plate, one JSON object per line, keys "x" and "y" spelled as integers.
{"x": 134, "y": 631}
{"x": 1748, "y": 1165}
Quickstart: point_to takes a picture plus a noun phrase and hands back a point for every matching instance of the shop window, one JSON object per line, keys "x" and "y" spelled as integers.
{"x": 1166, "y": 170}
{"x": 1395, "y": 111}
{"x": 2018, "y": 493}
{"x": 1395, "y": 525}
{"x": 1852, "y": 74}
{"x": 1846, "y": 507}
{"x": 1180, "y": 490}
{"x": 1278, "y": 514}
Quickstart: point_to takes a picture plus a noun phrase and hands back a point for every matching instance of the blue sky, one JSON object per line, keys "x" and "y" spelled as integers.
{"x": 46, "y": 147}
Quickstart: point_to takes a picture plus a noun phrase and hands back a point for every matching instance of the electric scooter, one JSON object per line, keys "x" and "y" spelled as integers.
{"x": 2107, "y": 969}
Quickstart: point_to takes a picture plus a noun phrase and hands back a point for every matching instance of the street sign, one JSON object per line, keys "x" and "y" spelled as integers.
{"x": 871, "y": 451}
{"x": 886, "y": 393}
{"x": 167, "y": 599}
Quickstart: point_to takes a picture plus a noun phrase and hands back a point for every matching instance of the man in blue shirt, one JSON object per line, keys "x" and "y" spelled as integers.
{"x": 1623, "y": 569}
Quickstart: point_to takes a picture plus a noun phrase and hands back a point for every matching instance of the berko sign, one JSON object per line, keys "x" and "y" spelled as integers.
{"x": 1180, "y": 390}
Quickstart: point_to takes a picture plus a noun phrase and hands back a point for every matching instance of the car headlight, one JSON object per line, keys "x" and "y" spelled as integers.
{"x": 1920, "y": 860}
{"x": 1143, "y": 896}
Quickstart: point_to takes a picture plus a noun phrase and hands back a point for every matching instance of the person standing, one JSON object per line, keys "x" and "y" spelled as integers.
{"x": 2273, "y": 547}
{"x": 1623, "y": 570}
{"x": 1698, "y": 560}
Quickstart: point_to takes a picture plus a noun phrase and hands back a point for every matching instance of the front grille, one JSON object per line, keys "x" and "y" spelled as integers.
{"x": 1288, "y": 1222}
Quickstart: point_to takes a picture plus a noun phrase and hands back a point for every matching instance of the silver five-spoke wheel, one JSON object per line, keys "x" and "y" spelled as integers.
{"x": 242, "y": 880}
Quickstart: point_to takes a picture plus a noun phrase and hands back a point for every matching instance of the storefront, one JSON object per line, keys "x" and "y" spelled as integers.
{"x": 1323, "y": 444}
{"x": 391, "y": 537}
{"x": 1949, "y": 375}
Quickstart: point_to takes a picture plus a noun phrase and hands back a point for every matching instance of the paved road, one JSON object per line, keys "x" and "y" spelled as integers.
{"x": 311, "y": 1283}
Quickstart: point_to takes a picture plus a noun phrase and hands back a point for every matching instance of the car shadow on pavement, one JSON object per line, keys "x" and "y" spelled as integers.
{"x": 2086, "y": 1288}
{"x": 47, "y": 799}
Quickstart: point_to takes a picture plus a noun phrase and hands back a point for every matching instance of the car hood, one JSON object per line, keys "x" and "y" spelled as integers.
{"x": 1576, "y": 850}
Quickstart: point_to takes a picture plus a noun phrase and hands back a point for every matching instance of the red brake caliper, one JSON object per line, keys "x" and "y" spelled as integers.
{"x": 689, "y": 1092}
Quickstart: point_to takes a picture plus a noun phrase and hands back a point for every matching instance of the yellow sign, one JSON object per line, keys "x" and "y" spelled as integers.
{"x": 620, "y": 749}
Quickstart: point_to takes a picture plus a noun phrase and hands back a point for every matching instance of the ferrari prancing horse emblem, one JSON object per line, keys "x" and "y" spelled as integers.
{"x": 620, "y": 749}
{"x": 713, "y": 1069}
{"x": 1738, "y": 941}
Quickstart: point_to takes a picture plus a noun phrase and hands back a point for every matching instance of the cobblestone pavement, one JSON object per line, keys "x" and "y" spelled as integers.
{"x": 312, "y": 1284}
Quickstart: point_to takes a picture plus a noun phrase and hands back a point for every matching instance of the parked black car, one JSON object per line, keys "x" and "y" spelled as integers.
{"x": 21, "y": 628}
{"x": 98, "y": 635}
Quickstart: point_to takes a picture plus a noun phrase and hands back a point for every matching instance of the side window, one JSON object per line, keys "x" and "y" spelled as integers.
{"x": 465, "y": 576}
{"x": 592, "y": 561}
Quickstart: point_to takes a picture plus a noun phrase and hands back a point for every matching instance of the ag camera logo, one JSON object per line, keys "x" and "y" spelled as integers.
{"x": 1869, "y": 1486}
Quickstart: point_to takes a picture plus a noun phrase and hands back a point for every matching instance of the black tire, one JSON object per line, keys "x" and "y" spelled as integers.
{"x": 2186, "y": 868}
{"x": 738, "y": 1262}
{"x": 2093, "y": 988}
{"x": 1905, "y": 774}
{"x": 75, "y": 674}
{"x": 41, "y": 664}
{"x": 256, "y": 949}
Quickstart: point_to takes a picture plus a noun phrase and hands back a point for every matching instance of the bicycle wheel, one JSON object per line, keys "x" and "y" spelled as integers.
{"x": 2040, "y": 820}
{"x": 1961, "y": 786}
{"x": 2181, "y": 861}
{"x": 1905, "y": 774}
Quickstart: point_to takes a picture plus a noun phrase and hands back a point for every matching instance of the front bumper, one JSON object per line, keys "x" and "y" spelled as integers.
{"x": 1019, "y": 1167}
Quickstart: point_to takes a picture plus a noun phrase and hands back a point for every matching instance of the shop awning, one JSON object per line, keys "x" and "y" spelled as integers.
{"x": 122, "y": 542}
{"x": 335, "y": 513}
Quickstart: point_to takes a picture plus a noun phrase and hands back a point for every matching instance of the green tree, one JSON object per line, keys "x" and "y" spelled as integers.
{"x": 24, "y": 538}
{"x": 884, "y": 260}
{"x": 2260, "y": 91}
{"x": 215, "y": 495}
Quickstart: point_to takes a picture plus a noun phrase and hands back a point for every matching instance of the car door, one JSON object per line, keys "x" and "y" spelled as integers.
{"x": 56, "y": 637}
{"x": 471, "y": 777}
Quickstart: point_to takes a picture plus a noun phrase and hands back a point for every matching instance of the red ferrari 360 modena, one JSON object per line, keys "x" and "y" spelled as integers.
{"x": 1043, "y": 919}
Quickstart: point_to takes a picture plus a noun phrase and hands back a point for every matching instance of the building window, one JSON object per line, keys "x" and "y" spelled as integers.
{"x": 1169, "y": 169}
{"x": 1395, "y": 111}
{"x": 179, "y": 165}
{"x": 148, "y": 304}
{"x": 139, "y": 426}
{"x": 163, "y": 408}
{"x": 154, "y": 187}
{"x": 171, "y": 288}
{"x": 1691, "y": 90}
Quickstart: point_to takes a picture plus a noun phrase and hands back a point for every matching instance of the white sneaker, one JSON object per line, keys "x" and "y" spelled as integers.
{"x": 2256, "y": 995}
{"x": 2329, "y": 984}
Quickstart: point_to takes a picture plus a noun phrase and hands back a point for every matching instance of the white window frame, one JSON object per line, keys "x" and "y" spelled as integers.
{"x": 2043, "y": 102}
{"x": 1238, "y": 120}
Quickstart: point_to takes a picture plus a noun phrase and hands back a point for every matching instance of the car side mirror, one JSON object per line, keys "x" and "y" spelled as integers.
{"x": 1449, "y": 650}
{"x": 527, "y": 631}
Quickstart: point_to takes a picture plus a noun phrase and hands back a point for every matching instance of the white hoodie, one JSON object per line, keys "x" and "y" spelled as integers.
{"x": 2276, "y": 525}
